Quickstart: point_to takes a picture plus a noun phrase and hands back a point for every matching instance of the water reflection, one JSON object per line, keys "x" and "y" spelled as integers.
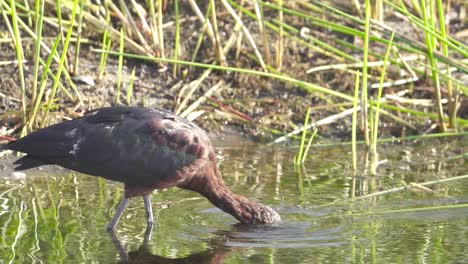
{"x": 144, "y": 255}
{"x": 214, "y": 255}
{"x": 240, "y": 237}
{"x": 329, "y": 213}
{"x": 285, "y": 235}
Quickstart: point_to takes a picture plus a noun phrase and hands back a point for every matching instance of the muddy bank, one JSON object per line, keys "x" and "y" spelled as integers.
{"x": 257, "y": 107}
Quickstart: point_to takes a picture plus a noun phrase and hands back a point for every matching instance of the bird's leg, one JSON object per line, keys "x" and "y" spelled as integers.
{"x": 118, "y": 244}
{"x": 118, "y": 214}
{"x": 149, "y": 218}
{"x": 148, "y": 209}
{"x": 148, "y": 234}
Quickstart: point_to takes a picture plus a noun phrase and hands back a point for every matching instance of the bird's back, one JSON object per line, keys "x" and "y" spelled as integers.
{"x": 140, "y": 146}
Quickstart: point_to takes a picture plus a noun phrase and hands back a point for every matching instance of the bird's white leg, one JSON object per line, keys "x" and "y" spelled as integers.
{"x": 148, "y": 209}
{"x": 149, "y": 219}
{"x": 118, "y": 244}
{"x": 118, "y": 214}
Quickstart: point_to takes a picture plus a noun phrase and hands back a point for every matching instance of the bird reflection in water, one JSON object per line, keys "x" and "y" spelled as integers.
{"x": 143, "y": 254}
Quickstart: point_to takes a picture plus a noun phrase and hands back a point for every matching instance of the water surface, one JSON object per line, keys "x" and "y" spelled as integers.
{"x": 57, "y": 216}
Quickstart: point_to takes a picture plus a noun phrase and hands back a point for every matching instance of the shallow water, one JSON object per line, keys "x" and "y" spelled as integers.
{"x": 57, "y": 216}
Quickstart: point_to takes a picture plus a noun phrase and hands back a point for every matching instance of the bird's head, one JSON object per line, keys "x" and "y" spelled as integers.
{"x": 260, "y": 214}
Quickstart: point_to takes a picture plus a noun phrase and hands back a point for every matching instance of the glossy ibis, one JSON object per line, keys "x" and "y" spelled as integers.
{"x": 144, "y": 148}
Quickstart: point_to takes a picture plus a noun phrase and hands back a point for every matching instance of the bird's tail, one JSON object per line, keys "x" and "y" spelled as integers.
{"x": 28, "y": 162}
{"x": 23, "y": 163}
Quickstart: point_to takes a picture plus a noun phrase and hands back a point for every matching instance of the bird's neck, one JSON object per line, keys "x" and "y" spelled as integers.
{"x": 211, "y": 185}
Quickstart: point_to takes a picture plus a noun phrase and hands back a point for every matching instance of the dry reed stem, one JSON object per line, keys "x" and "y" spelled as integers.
{"x": 262, "y": 30}
{"x": 133, "y": 27}
{"x": 360, "y": 64}
{"x": 195, "y": 84}
{"x": 218, "y": 50}
{"x": 246, "y": 32}
{"x": 279, "y": 44}
{"x": 202, "y": 98}
{"x": 160, "y": 29}
{"x": 201, "y": 17}
{"x": 239, "y": 37}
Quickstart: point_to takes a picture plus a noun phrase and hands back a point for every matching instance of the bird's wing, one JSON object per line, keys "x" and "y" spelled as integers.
{"x": 116, "y": 114}
{"x": 62, "y": 139}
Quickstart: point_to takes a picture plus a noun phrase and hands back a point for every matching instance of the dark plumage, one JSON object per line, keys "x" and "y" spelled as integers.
{"x": 144, "y": 148}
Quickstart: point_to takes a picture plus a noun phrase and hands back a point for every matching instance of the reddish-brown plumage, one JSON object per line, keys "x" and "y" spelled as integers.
{"x": 144, "y": 148}
{"x": 209, "y": 183}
